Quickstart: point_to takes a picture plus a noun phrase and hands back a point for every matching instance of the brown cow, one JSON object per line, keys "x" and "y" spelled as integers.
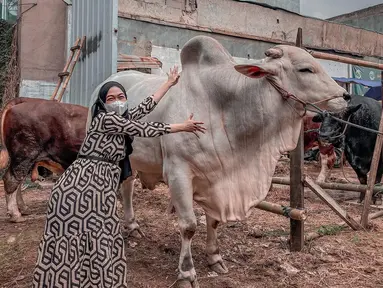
{"x": 37, "y": 132}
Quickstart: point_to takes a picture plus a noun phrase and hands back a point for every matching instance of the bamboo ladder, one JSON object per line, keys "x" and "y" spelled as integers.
{"x": 68, "y": 69}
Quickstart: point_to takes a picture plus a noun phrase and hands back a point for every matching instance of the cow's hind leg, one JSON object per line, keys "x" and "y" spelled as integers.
{"x": 214, "y": 258}
{"x": 11, "y": 187}
{"x": 20, "y": 202}
{"x": 182, "y": 199}
{"x": 131, "y": 225}
{"x": 377, "y": 197}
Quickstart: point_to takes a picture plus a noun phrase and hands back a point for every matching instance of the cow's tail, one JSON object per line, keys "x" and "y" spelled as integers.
{"x": 4, "y": 155}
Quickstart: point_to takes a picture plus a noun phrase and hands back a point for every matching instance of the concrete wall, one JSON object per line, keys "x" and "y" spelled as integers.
{"x": 291, "y": 5}
{"x": 252, "y": 21}
{"x": 165, "y": 43}
{"x": 42, "y": 46}
{"x": 370, "y": 18}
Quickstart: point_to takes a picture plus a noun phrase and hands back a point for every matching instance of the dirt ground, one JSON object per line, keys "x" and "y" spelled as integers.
{"x": 256, "y": 251}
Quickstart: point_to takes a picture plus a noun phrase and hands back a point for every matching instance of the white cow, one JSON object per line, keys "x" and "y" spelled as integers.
{"x": 229, "y": 169}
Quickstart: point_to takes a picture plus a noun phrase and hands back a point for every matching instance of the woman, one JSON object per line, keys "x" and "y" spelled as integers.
{"x": 82, "y": 245}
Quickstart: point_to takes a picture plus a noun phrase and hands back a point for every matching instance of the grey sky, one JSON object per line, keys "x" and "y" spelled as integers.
{"x": 324, "y": 9}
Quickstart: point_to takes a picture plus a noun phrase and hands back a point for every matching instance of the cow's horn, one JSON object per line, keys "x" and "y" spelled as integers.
{"x": 274, "y": 53}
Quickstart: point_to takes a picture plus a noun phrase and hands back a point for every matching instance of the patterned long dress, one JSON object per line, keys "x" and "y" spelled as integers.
{"x": 82, "y": 245}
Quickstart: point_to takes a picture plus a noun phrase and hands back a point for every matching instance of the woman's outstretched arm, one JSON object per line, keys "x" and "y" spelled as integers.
{"x": 150, "y": 103}
{"x": 112, "y": 123}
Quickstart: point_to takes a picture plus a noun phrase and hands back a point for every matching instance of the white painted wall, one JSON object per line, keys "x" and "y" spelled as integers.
{"x": 335, "y": 69}
{"x": 36, "y": 89}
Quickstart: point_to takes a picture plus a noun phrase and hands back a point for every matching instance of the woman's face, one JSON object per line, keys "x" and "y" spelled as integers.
{"x": 115, "y": 94}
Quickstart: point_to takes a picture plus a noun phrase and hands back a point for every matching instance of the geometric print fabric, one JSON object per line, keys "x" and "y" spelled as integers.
{"x": 82, "y": 245}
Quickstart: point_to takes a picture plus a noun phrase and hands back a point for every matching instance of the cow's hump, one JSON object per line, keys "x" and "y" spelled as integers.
{"x": 203, "y": 50}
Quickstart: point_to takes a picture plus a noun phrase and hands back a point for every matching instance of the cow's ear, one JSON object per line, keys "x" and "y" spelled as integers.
{"x": 352, "y": 109}
{"x": 252, "y": 71}
{"x": 317, "y": 118}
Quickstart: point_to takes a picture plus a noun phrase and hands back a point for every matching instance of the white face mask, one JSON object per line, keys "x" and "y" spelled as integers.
{"x": 117, "y": 106}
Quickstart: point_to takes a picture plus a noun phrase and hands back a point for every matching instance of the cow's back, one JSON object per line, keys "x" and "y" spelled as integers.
{"x": 50, "y": 130}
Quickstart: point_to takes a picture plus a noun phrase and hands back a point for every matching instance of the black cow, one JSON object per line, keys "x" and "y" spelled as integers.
{"x": 358, "y": 144}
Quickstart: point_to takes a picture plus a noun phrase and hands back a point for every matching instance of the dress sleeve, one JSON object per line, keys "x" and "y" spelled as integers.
{"x": 144, "y": 108}
{"x": 115, "y": 124}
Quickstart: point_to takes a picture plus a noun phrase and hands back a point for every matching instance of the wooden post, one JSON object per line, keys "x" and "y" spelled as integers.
{"x": 372, "y": 177}
{"x": 296, "y": 187}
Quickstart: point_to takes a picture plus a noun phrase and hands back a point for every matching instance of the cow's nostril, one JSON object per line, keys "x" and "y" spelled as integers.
{"x": 346, "y": 96}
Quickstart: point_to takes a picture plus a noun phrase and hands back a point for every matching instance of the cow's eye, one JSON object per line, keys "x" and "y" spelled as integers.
{"x": 306, "y": 70}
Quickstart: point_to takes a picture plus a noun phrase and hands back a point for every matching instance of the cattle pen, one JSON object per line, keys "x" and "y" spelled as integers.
{"x": 298, "y": 180}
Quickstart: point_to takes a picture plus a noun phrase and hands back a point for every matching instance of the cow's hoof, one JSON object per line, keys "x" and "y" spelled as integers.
{"x": 25, "y": 211}
{"x": 219, "y": 267}
{"x": 133, "y": 230}
{"x": 187, "y": 284}
{"x": 17, "y": 219}
{"x": 377, "y": 201}
{"x": 136, "y": 233}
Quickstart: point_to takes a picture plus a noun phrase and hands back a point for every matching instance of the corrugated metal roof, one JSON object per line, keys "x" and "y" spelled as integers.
{"x": 97, "y": 20}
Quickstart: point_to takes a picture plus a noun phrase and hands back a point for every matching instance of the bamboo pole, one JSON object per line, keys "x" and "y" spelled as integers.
{"x": 348, "y": 60}
{"x": 64, "y": 70}
{"x": 331, "y": 186}
{"x": 375, "y": 215}
{"x": 296, "y": 214}
{"x": 71, "y": 68}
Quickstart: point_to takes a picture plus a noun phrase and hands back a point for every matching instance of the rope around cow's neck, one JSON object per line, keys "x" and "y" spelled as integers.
{"x": 286, "y": 95}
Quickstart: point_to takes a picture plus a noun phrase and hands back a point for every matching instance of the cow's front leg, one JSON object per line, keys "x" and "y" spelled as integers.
{"x": 20, "y": 202}
{"x": 325, "y": 171}
{"x": 182, "y": 199}
{"x": 362, "y": 180}
{"x": 11, "y": 186}
{"x": 214, "y": 258}
{"x": 131, "y": 225}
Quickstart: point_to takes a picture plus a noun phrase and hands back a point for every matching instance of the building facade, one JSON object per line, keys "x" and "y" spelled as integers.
{"x": 371, "y": 19}
{"x": 160, "y": 28}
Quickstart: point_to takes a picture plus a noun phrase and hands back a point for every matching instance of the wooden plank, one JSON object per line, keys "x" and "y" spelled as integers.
{"x": 332, "y": 203}
{"x": 372, "y": 176}
{"x": 297, "y": 240}
{"x": 331, "y": 186}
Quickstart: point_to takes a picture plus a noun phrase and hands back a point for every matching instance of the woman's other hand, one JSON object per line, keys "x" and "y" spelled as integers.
{"x": 188, "y": 126}
{"x": 173, "y": 76}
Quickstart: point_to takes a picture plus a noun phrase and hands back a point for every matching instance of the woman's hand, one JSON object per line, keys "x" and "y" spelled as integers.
{"x": 188, "y": 126}
{"x": 172, "y": 80}
{"x": 173, "y": 76}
